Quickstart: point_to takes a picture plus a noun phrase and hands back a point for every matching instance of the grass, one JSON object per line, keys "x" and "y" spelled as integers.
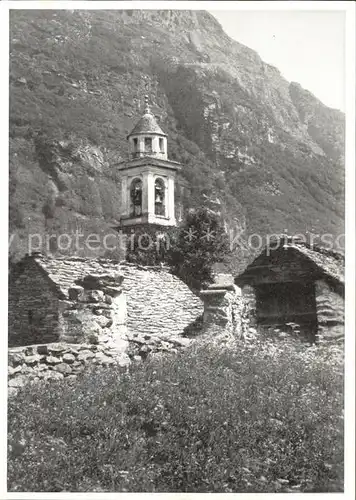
{"x": 260, "y": 417}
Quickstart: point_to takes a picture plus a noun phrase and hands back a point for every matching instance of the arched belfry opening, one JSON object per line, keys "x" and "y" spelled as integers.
{"x": 136, "y": 198}
{"x": 160, "y": 188}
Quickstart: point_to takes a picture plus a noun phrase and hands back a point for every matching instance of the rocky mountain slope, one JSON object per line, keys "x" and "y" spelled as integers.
{"x": 265, "y": 151}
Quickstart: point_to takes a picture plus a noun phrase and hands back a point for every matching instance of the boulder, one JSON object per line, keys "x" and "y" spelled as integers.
{"x": 124, "y": 360}
{"x": 139, "y": 340}
{"x": 84, "y": 355}
{"x": 18, "y": 381}
{"x": 32, "y": 360}
{"x": 53, "y": 375}
{"x": 91, "y": 327}
{"x": 63, "y": 368}
{"x": 26, "y": 369}
{"x": 102, "y": 311}
{"x": 41, "y": 367}
{"x": 68, "y": 358}
{"x": 57, "y": 348}
{"x": 94, "y": 296}
{"x": 77, "y": 368}
{"x": 74, "y": 351}
{"x": 15, "y": 359}
{"x": 108, "y": 299}
{"x": 101, "y": 359}
{"x": 103, "y": 321}
{"x": 113, "y": 291}
{"x": 12, "y": 371}
{"x": 52, "y": 360}
{"x": 74, "y": 292}
{"x": 101, "y": 281}
{"x": 76, "y": 364}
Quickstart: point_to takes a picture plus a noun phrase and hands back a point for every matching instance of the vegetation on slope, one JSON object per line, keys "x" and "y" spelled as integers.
{"x": 259, "y": 417}
{"x": 243, "y": 134}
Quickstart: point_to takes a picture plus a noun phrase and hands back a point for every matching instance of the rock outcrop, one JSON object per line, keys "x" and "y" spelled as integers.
{"x": 268, "y": 150}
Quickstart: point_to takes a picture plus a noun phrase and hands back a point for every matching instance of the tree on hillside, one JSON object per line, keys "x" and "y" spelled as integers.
{"x": 198, "y": 244}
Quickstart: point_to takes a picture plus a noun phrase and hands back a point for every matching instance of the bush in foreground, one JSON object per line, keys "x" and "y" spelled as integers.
{"x": 258, "y": 418}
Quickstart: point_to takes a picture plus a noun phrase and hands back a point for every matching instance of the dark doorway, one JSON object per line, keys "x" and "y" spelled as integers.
{"x": 291, "y": 302}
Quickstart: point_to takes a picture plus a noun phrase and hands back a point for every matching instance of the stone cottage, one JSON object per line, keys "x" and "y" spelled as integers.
{"x": 76, "y": 300}
{"x": 294, "y": 283}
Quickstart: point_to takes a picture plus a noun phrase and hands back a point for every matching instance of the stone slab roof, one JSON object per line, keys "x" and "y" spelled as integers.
{"x": 329, "y": 263}
{"x": 65, "y": 272}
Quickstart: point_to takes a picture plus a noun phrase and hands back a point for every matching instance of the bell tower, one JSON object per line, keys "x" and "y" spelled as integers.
{"x": 148, "y": 177}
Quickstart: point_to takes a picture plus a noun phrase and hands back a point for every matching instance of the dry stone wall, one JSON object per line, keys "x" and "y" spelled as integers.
{"x": 330, "y": 311}
{"x": 61, "y": 361}
{"x": 57, "y": 361}
{"x": 143, "y": 345}
{"x": 33, "y": 309}
{"x": 249, "y": 304}
{"x": 96, "y": 312}
{"x": 223, "y": 309}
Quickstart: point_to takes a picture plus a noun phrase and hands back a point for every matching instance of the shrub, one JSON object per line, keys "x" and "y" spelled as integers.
{"x": 262, "y": 417}
{"x": 198, "y": 244}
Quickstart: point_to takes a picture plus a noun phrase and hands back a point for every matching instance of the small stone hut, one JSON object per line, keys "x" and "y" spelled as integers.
{"x": 68, "y": 299}
{"x": 294, "y": 283}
